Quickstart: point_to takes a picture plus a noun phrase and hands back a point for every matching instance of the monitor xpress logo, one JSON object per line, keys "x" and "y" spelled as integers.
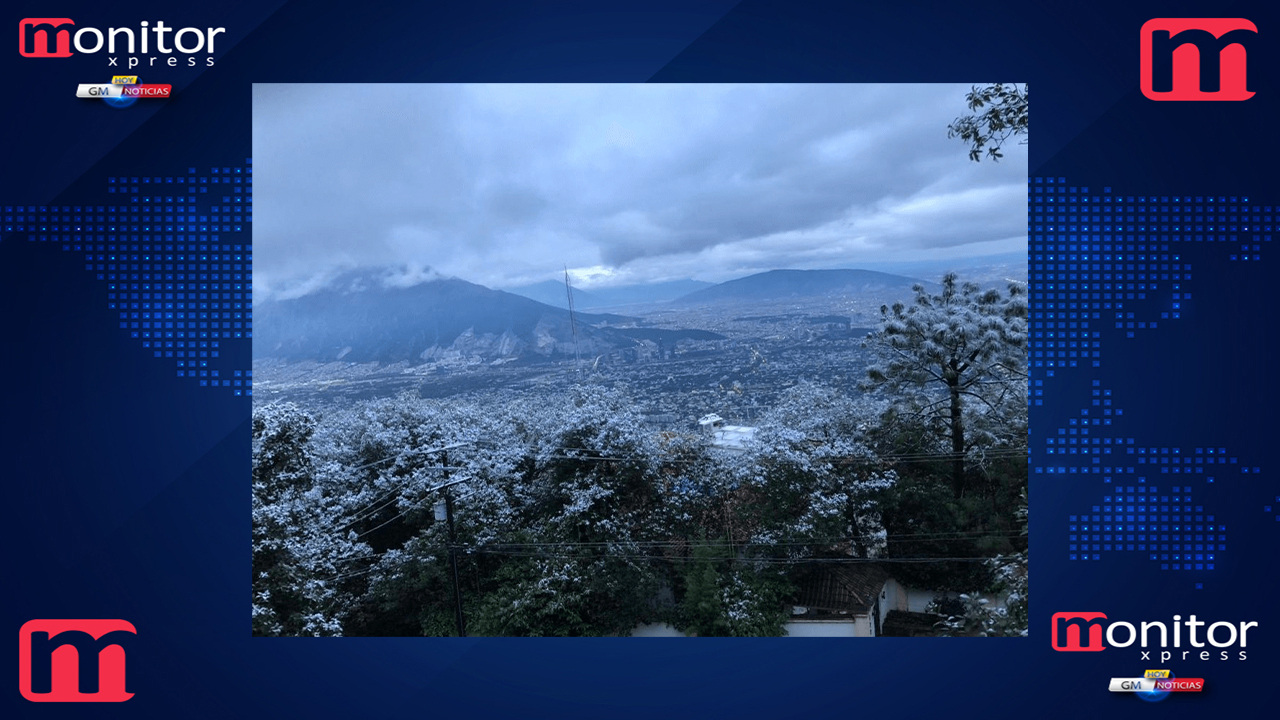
{"x": 1197, "y": 59}
{"x": 1084, "y": 632}
{"x": 125, "y": 47}
{"x": 74, "y": 660}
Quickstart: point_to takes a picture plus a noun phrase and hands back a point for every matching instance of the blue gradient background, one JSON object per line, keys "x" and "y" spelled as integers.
{"x": 128, "y": 488}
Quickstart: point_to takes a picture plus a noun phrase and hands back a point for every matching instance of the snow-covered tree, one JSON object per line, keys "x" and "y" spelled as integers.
{"x": 299, "y": 566}
{"x": 808, "y": 481}
{"x": 956, "y": 361}
{"x": 575, "y": 517}
{"x": 1000, "y": 112}
{"x": 577, "y": 563}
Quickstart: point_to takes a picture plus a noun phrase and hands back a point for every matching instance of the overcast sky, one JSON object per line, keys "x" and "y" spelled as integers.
{"x": 505, "y": 185}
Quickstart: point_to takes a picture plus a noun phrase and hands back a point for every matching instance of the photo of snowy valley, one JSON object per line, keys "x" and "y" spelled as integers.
{"x": 640, "y": 360}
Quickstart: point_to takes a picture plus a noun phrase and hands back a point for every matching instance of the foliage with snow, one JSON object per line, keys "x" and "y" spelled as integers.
{"x": 956, "y": 363}
{"x": 574, "y": 517}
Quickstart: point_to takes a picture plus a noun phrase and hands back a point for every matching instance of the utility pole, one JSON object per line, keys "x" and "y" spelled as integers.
{"x": 453, "y": 562}
{"x": 444, "y": 511}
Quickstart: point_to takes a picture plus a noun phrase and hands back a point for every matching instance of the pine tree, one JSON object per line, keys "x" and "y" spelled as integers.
{"x": 957, "y": 361}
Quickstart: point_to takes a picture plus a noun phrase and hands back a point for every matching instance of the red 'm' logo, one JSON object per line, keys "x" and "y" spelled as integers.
{"x": 40, "y": 37}
{"x": 1077, "y": 632}
{"x": 1196, "y": 59}
{"x": 74, "y": 660}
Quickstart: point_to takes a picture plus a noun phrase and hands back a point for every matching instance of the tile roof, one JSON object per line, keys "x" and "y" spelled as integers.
{"x": 833, "y": 587}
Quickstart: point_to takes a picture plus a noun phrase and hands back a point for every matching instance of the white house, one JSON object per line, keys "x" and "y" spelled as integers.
{"x": 727, "y": 437}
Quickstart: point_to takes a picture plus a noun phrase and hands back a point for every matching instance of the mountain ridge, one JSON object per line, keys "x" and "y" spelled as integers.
{"x": 785, "y": 284}
{"x": 358, "y": 317}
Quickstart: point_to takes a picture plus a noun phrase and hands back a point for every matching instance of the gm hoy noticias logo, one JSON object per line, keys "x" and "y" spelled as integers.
{"x": 74, "y": 660}
{"x": 1176, "y": 640}
{"x": 1197, "y": 59}
{"x": 123, "y": 91}
{"x": 129, "y": 47}
{"x": 1155, "y": 685}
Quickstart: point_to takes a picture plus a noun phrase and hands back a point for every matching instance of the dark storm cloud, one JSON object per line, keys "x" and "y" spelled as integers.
{"x": 506, "y": 184}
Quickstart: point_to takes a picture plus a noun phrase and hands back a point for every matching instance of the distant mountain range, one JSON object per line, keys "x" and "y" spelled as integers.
{"x": 359, "y": 317}
{"x": 785, "y": 284}
{"x": 553, "y": 293}
{"x": 987, "y": 270}
{"x": 371, "y": 316}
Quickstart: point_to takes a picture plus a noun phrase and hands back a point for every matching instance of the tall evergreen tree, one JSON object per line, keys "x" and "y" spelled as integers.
{"x": 956, "y": 360}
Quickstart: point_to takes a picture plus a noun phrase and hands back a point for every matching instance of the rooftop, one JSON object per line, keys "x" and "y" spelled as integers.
{"x": 839, "y": 588}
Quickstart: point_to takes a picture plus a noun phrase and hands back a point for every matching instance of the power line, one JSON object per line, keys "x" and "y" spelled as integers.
{"x": 718, "y": 544}
{"x": 764, "y": 560}
{"x": 959, "y": 535}
{"x": 361, "y": 514}
{"x": 346, "y": 575}
{"x": 689, "y": 559}
{"x": 412, "y": 506}
{"x": 428, "y": 451}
